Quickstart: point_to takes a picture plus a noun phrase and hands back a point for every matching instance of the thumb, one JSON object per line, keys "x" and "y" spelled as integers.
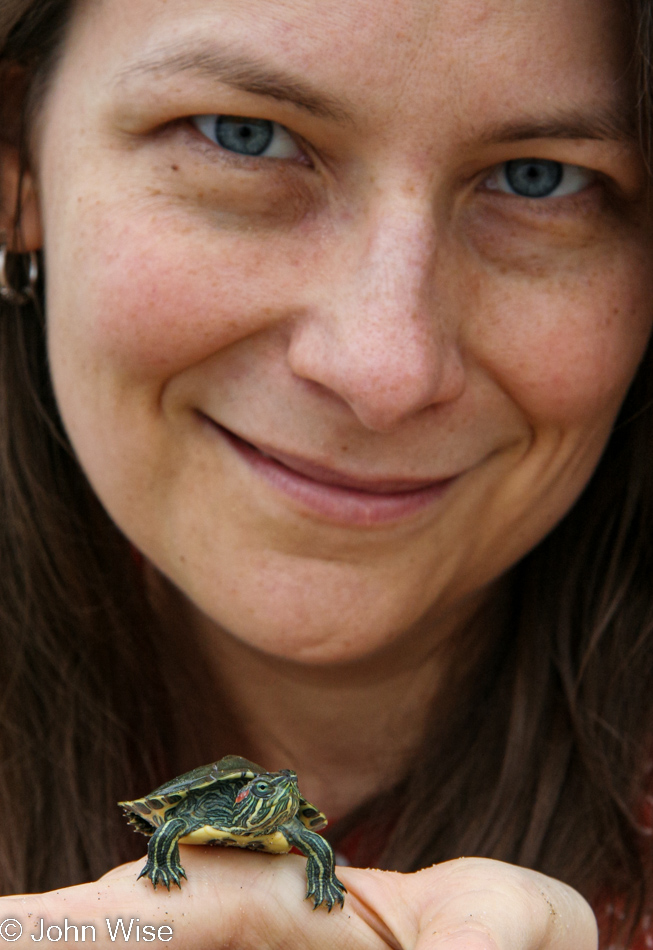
{"x": 475, "y": 904}
{"x": 479, "y": 904}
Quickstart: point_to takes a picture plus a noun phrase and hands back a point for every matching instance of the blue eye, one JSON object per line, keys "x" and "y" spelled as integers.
{"x": 247, "y": 136}
{"x": 539, "y": 178}
{"x": 533, "y": 179}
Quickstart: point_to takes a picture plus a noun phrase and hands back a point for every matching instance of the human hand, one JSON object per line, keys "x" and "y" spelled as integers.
{"x": 250, "y": 901}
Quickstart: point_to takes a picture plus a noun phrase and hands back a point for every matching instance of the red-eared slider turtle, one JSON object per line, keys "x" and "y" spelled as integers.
{"x": 235, "y": 803}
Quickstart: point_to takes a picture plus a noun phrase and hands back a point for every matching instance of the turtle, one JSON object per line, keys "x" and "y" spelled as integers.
{"x": 236, "y": 803}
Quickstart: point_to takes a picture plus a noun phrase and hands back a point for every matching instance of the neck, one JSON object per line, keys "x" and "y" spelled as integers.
{"x": 349, "y": 730}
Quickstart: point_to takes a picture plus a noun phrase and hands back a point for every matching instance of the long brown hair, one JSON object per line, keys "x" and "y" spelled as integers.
{"x": 542, "y": 756}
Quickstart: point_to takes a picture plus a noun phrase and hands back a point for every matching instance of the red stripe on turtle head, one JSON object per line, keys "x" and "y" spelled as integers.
{"x": 243, "y": 793}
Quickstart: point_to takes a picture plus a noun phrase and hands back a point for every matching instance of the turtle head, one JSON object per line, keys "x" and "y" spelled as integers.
{"x": 266, "y": 802}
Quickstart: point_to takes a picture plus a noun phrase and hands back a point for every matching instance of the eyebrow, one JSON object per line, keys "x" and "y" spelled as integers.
{"x": 241, "y": 72}
{"x": 249, "y": 74}
{"x": 606, "y": 123}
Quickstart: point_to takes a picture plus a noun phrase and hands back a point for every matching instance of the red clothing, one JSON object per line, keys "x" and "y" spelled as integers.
{"x": 610, "y": 911}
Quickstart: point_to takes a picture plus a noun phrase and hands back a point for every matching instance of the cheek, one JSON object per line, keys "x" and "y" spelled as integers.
{"x": 565, "y": 350}
{"x": 160, "y": 300}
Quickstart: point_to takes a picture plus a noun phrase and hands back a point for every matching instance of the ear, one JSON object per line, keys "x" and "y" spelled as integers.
{"x": 243, "y": 793}
{"x": 26, "y": 234}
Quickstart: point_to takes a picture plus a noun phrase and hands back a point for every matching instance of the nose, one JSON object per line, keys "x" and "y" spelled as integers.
{"x": 383, "y": 339}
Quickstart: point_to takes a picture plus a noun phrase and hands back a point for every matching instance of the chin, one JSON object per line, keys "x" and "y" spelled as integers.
{"x": 309, "y": 644}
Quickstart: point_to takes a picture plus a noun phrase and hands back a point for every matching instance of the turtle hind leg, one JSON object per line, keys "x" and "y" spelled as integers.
{"x": 163, "y": 863}
{"x": 323, "y": 885}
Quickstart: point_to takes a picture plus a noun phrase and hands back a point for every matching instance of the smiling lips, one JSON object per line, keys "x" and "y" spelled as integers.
{"x": 334, "y": 495}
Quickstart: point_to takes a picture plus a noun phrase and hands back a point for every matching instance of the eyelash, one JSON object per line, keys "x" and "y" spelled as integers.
{"x": 556, "y": 179}
{"x": 257, "y": 134}
{"x": 539, "y": 179}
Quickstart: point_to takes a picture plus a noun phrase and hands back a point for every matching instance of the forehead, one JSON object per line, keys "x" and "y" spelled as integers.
{"x": 404, "y": 53}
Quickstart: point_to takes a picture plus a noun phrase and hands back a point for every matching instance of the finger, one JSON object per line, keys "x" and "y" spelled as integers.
{"x": 231, "y": 899}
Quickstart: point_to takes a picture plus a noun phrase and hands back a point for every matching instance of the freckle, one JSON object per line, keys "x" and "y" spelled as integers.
{"x": 175, "y": 168}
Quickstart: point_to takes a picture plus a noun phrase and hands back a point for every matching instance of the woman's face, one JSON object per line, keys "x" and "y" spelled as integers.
{"x": 334, "y": 369}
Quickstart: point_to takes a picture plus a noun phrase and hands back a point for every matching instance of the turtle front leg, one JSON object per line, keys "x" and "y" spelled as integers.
{"x": 323, "y": 885}
{"x": 163, "y": 854}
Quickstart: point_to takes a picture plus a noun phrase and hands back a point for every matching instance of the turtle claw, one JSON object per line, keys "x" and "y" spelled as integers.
{"x": 164, "y": 875}
{"x": 328, "y": 893}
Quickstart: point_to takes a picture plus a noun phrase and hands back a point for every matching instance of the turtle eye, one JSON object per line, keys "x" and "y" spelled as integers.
{"x": 262, "y": 789}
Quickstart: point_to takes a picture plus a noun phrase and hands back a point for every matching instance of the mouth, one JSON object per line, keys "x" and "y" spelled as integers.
{"x": 333, "y": 495}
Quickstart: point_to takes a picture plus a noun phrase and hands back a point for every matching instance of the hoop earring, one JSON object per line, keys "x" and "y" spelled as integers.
{"x": 28, "y": 292}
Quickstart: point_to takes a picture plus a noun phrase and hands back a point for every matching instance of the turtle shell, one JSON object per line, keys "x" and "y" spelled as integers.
{"x": 149, "y": 812}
